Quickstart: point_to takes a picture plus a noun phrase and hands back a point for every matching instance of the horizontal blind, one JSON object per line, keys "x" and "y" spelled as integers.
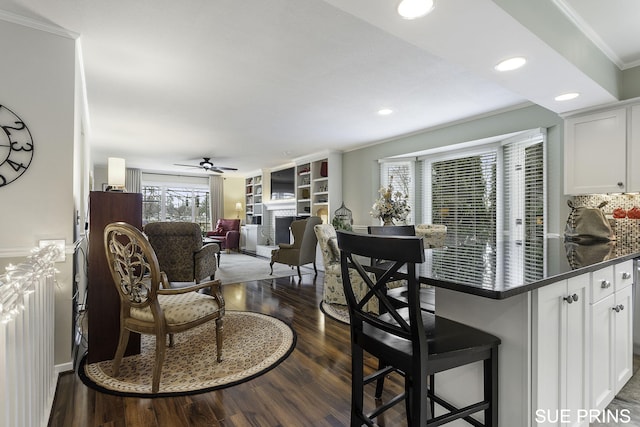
{"x": 463, "y": 197}
{"x": 524, "y": 209}
{"x": 400, "y": 175}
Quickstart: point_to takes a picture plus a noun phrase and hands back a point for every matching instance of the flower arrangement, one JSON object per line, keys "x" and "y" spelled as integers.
{"x": 391, "y": 206}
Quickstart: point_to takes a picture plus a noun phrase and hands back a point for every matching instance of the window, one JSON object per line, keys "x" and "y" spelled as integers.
{"x": 399, "y": 174}
{"x": 492, "y": 200}
{"x": 172, "y": 203}
{"x": 463, "y": 197}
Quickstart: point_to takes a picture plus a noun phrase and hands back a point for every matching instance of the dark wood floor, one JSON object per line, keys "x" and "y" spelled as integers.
{"x": 310, "y": 388}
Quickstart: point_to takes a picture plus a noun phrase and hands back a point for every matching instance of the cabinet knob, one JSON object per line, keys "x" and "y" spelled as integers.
{"x": 621, "y": 184}
{"x": 618, "y": 308}
{"x": 626, "y": 275}
{"x": 605, "y": 284}
{"x": 571, "y": 298}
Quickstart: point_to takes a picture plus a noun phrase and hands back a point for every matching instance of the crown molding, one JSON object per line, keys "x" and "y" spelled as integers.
{"x": 37, "y": 25}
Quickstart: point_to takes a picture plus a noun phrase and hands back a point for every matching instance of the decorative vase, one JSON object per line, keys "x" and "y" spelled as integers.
{"x": 387, "y": 221}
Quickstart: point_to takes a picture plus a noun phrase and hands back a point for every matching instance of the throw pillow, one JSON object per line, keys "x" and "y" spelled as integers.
{"x": 219, "y": 232}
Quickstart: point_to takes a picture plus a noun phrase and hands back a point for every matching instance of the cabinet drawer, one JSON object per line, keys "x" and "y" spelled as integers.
{"x": 623, "y": 275}
{"x": 602, "y": 284}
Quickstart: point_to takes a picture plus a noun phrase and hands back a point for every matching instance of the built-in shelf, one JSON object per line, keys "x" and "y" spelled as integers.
{"x": 253, "y": 199}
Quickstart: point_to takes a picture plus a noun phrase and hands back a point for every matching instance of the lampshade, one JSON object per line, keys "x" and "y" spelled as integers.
{"x": 412, "y": 9}
{"x": 116, "y": 172}
{"x": 238, "y": 206}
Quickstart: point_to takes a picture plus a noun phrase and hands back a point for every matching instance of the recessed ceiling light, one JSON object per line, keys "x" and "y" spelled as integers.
{"x": 511, "y": 64}
{"x": 412, "y": 9}
{"x": 385, "y": 111}
{"x": 567, "y": 96}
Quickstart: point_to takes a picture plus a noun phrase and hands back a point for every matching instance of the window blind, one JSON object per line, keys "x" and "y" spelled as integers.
{"x": 492, "y": 200}
{"x": 524, "y": 209}
{"x": 400, "y": 175}
{"x": 463, "y": 197}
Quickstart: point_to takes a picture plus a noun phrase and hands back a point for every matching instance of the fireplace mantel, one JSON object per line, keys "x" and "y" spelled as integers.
{"x": 280, "y": 205}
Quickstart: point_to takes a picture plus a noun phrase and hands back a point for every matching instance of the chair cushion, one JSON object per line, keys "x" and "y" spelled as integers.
{"x": 180, "y": 309}
{"x": 219, "y": 232}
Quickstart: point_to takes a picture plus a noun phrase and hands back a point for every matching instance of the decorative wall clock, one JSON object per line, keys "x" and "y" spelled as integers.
{"x": 16, "y": 146}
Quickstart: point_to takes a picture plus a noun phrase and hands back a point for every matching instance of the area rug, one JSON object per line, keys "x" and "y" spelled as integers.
{"x": 238, "y": 268}
{"x": 253, "y": 344}
{"x": 335, "y": 311}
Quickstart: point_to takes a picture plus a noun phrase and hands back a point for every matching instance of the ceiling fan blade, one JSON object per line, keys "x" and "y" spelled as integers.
{"x": 188, "y": 166}
{"x": 225, "y": 168}
{"x": 216, "y": 170}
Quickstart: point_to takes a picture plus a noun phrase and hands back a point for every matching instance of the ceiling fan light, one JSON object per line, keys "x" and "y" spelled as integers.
{"x": 412, "y": 9}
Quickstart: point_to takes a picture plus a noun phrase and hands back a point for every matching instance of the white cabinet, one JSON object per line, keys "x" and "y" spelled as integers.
{"x": 611, "y": 332}
{"x": 250, "y": 236}
{"x": 598, "y": 151}
{"x": 633, "y": 149}
{"x": 595, "y": 153}
{"x": 560, "y": 350}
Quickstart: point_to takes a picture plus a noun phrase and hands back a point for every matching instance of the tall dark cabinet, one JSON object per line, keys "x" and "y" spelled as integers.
{"x": 103, "y": 299}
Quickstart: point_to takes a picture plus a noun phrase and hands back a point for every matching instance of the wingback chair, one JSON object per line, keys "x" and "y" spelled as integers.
{"x": 226, "y": 234}
{"x": 147, "y": 306}
{"x": 180, "y": 252}
{"x": 303, "y": 249}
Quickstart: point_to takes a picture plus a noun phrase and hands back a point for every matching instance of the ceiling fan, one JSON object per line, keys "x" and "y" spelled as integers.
{"x": 207, "y": 165}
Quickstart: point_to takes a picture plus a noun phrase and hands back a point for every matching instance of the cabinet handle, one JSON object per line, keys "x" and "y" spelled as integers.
{"x": 626, "y": 275}
{"x": 605, "y": 284}
{"x": 618, "y": 308}
{"x": 571, "y": 298}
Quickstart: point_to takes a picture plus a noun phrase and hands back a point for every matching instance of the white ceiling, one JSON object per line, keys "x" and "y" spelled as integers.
{"x": 254, "y": 84}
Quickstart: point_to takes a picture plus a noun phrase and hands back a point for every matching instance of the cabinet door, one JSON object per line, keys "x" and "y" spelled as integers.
{"x": 577, "y": 331}
{"x": 602, "y": 353}
{"x": 633, "y": 151}
{"x": 549, "y": 346}
{"x": 595, "y": 153}
{"x": 623, "y": 341}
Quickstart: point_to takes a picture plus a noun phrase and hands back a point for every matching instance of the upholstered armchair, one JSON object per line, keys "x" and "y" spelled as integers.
{"x": 180, "y": 252}
{"x": 303, "y": 249}
{"x": 226, "y": 234}
{"x": 333, "y": 292}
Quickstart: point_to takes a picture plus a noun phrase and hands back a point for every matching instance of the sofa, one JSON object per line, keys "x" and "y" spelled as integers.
{"x": 227, "y": 234}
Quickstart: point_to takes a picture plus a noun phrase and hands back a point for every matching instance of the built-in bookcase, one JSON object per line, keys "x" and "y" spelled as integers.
{"x": 253, "y": 199}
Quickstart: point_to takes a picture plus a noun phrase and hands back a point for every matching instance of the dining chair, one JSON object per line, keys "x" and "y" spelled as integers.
{"x": 147, "y": 306}
{"x": 410, "y": 341}
{"x": 399, "y": 293}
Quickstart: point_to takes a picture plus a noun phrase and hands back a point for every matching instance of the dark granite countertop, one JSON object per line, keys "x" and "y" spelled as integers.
{"x": 515, "y": 268}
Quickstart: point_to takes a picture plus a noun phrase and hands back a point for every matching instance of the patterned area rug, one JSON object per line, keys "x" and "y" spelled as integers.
{"x": 254, "y": 343}
{"x": 335, "y": 311}
{"x": 239, "y": 268}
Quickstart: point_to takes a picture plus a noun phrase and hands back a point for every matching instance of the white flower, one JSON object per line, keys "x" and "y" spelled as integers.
{"x": 391, "y": 206}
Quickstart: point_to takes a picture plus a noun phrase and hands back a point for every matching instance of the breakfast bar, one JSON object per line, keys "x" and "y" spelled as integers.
{"x": 566, "y": 324}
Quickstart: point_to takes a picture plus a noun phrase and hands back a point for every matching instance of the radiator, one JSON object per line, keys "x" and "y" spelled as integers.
{"x": 27, "y": 372}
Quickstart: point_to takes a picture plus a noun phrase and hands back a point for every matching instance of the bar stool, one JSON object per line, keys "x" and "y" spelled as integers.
{"x": 412, "y": 342}
{"x": 399, "y": 294}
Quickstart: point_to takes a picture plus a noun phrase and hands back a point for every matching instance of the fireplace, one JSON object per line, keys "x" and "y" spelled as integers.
{"x": 282, "y": 224}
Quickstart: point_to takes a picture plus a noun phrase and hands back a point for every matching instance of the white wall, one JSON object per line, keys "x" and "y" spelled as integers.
{"x": 361, "y": 171}
{"x": 38, "y": 80}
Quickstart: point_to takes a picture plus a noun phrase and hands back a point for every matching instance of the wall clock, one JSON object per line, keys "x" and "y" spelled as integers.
{"x": 16, "y": 146}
